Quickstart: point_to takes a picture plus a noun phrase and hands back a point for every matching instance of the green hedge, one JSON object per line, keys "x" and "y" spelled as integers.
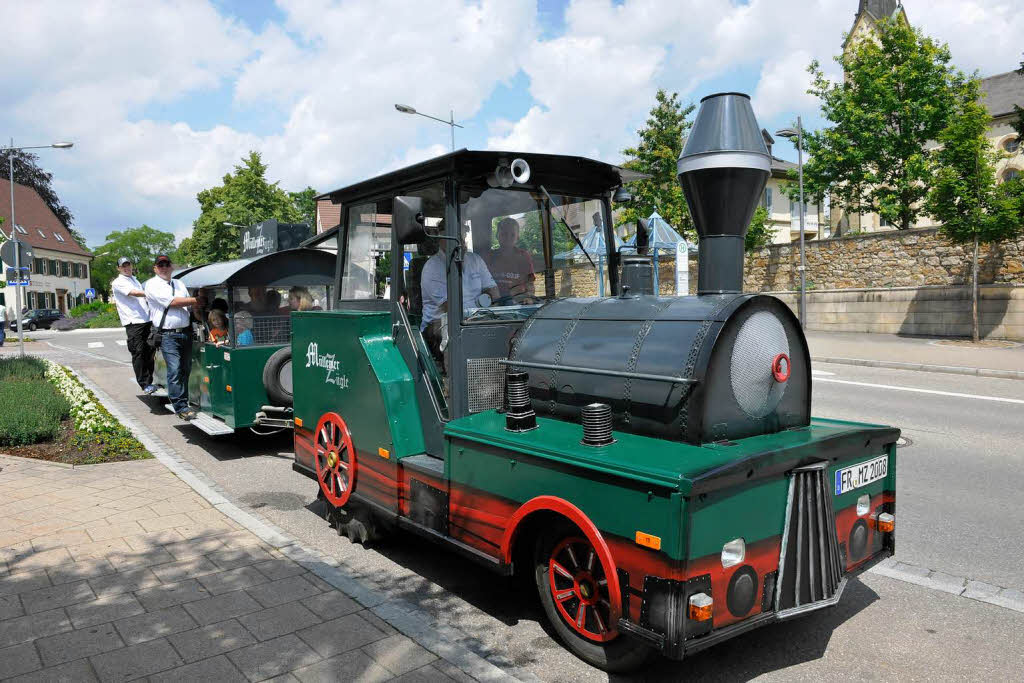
{"x": 31, "y": 408}
{"x": 97, "y": 306}
{"x": 105, "y": 319}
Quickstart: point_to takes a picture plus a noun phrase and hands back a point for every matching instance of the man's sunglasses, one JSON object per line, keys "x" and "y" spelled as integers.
{"x": 163, "y": 264}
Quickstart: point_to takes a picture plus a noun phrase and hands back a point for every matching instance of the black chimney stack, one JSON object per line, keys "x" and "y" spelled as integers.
{"x": 723, "y": 170}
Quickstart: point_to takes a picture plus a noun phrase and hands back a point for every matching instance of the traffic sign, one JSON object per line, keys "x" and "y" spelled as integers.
{"x": 90, "y": 293}
{"x": 406, "y": 260}
{"x": 13, "y": 279}
{"x": 7, "y": 252}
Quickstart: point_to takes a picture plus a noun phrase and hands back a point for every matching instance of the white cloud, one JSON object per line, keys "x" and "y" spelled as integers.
{"x": 109, "y": 75}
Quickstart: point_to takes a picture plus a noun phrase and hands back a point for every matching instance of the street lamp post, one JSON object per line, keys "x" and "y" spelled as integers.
{"x": 799, "y": 135}
{"x": 14, "y": 233}
{"x": 406, "y": 109}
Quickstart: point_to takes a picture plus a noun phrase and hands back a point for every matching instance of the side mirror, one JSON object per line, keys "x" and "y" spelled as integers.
{"x": 407, "y": 218}
{"x": 622, "y": 195}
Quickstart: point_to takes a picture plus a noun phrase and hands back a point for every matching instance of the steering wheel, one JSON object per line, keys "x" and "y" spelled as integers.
{"x": 482, "y": 314}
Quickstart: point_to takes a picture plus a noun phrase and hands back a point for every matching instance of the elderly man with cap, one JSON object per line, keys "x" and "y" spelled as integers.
{"x": 133, "y": 309}
{"x": 169, "y": 303}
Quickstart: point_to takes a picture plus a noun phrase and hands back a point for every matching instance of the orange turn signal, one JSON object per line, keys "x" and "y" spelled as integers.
{"x": 700, "y": 607}
{"x": 885, "y": 522}
{"x": 384, "y": 453}
{"x": 648, "y": 541}
{"x": 298, "y": 422}
{"x": 227, "y": 387}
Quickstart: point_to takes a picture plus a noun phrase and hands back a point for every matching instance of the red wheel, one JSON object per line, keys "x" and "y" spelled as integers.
{"x": 580, "y": 590}
{"x": 335, "y": 459}
{"x": 781, "y": 367}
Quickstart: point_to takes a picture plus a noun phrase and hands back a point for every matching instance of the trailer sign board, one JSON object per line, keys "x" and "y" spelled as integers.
{"x": 850, "y": 478}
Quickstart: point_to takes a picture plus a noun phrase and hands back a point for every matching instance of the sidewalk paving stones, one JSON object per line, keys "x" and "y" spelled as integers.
{"x": 135, "y": 575}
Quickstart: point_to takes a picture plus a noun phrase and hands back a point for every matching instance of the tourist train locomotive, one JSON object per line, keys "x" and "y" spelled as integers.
{"x": 650, "y": 462}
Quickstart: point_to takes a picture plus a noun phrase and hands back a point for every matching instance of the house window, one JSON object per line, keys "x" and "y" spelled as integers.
{"x": 1011, "y": 173}
{"x": 41, "y": 233}
{"x": 85, "y": 270}
{"x": 21, "y": 229}
{"x": 65, "y": 268}
{"x": 768, "y": 199}
{"x": 53, "y": 267}
{"x": 883, "y": 222}
{"x": 59, "y": 238}
{"x": 1012, "y": 145}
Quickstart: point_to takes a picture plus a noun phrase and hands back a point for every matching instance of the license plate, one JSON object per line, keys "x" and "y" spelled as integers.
{"x": 850, "y": 478}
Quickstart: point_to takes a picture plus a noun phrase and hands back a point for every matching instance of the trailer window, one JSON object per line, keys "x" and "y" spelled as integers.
{"x": 366, "y": 270}
{"x": 267, "y": 312}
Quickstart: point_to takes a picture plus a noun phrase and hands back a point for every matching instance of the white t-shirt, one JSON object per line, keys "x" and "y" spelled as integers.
{"x": 131, "y": 309}
{"x": 159, "y": 293}
{"x": 434, "y": 285}
{"x": 3, "y": 314}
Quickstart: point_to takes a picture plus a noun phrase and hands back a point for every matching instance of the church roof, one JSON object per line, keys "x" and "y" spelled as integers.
{"x": 878, "y": 9}
{"x": 1002, "y": 91}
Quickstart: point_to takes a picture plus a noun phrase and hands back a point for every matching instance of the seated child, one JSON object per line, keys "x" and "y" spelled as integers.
{"x": 218, "y": 324}
{"x": 243, "y": 329}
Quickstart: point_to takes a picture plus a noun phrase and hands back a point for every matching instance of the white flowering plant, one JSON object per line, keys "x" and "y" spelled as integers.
{"x": 94, "y": 425}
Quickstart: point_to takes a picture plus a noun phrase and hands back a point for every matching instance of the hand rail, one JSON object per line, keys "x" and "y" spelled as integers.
{"x": 600, "y": 371}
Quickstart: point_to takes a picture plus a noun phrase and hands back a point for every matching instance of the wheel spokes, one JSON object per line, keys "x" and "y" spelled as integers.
{"x": 565, "y": 595}
{"x": 561, "y": 570}
{"x": 580, "y": 615}
{"x": 600, "y": 622}
{"x": 572, "y": 557}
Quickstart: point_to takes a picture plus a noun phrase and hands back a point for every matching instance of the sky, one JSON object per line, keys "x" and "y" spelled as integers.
{"x": 162, "y": 98}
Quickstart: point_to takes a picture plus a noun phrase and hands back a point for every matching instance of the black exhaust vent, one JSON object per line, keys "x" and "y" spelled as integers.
{"x": 597, "y": 424}
{"x": 811, "y": 565}
{"x": 520, "y": 416}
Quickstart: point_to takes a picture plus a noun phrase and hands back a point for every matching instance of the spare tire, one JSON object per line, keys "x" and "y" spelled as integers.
{"x": 277, "y": 377}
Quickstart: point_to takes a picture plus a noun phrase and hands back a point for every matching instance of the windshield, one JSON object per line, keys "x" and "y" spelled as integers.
{"x": 536, "y": 247}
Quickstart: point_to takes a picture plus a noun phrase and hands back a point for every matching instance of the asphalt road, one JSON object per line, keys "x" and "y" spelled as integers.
{"x": 959, "y": 484}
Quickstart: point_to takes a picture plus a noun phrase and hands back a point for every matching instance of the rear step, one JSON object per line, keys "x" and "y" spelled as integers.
{"x": 207, "y": 423}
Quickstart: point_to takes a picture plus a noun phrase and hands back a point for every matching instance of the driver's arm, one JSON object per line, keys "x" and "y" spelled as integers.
{"x": 487, "y": 282}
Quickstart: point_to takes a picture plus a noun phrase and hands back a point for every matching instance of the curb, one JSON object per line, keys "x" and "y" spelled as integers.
{"x": 922, "y": 367}
{"x": 1010, "y": 598}
{"x": 444, "y": 641}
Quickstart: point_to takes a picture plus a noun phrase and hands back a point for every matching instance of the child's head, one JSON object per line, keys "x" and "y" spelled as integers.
{"x": 243, "y": 321}
{"x": 218, "y": 320}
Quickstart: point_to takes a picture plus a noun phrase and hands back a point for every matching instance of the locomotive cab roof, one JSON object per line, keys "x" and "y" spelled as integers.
{"x": 566, "y": 172}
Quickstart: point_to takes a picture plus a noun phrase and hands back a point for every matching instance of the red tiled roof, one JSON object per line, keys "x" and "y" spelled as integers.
{"x": 34, "y": 215}
{"x": 328, "y": 215}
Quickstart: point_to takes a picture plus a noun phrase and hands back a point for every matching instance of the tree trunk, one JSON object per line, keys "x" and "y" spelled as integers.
{"x": 974, "y": 293}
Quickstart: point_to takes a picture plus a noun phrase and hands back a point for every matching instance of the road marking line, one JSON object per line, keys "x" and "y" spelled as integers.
{"x": 86, "y": 353}
{"x": 954, "y": 394}
{"x": 821, "y": 373}
{"x": 122, "y": 342}
{"x": 95, "y": 345}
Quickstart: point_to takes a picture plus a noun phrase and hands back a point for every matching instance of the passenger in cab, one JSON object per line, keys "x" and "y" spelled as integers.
{"x": 218, "y": 325}
{"x": 476, "y": 283}
{"x": 511, "y": 266}
{"x": 243, "y": 329}
{"x": 299, "y": 299}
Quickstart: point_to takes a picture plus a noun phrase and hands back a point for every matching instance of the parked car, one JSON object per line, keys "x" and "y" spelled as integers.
{"x": 39, "y": 317}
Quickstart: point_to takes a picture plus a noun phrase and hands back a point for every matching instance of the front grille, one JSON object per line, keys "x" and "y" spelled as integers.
{"x": 485, "y": 378}
{"x": 811, "y": 567}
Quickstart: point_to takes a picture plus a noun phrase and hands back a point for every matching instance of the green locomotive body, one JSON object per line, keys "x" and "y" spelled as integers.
{"x": 650, "y": 461}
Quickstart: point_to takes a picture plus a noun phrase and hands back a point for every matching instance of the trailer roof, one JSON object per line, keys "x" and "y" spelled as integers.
{"x": 279, "y": 269}
{"x": 552, "y": 169}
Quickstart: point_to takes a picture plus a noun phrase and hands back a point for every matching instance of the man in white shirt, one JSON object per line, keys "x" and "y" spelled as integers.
{"x": 133, "y": 309}
{"x": 476, "y": 280}
{"x": 169, "y": 304}
{"x": 3, "y": 323}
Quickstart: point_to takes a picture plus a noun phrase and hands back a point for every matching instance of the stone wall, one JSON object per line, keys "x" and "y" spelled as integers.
{"x": 911, "y": 258}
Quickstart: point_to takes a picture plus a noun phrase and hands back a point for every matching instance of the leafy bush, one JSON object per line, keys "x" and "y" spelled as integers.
{"x": 97, "y": 306}
{"x": 27, "y": 368}
{"x": 31, "y": 410}
{"x": 105, "y": 319}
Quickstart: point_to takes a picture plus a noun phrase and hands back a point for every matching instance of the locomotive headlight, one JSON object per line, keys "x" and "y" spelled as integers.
{"x": 733, "y": 553}
{"x": 863, "y": 505}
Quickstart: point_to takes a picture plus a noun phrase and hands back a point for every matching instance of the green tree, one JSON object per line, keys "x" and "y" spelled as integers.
{"x": 141, "y": 245}
{"x": 28, "y": 172}
{"x": 661, "y": 142}
{"x": 760, "y": 233}
{"x": 244, "y": 198}
{"x": 305, "y": 204}
{"x": 964, "y": 196}
{"x": 1018, "y": 123}
{"x": 898, "y": 94}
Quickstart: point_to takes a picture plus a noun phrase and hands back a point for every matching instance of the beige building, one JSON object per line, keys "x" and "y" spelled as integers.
{"x": 1000, "y": 93}
{"x": 60, "y": 266}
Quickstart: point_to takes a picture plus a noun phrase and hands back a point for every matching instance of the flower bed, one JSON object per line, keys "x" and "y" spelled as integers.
{"x": 89, "y": 434}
